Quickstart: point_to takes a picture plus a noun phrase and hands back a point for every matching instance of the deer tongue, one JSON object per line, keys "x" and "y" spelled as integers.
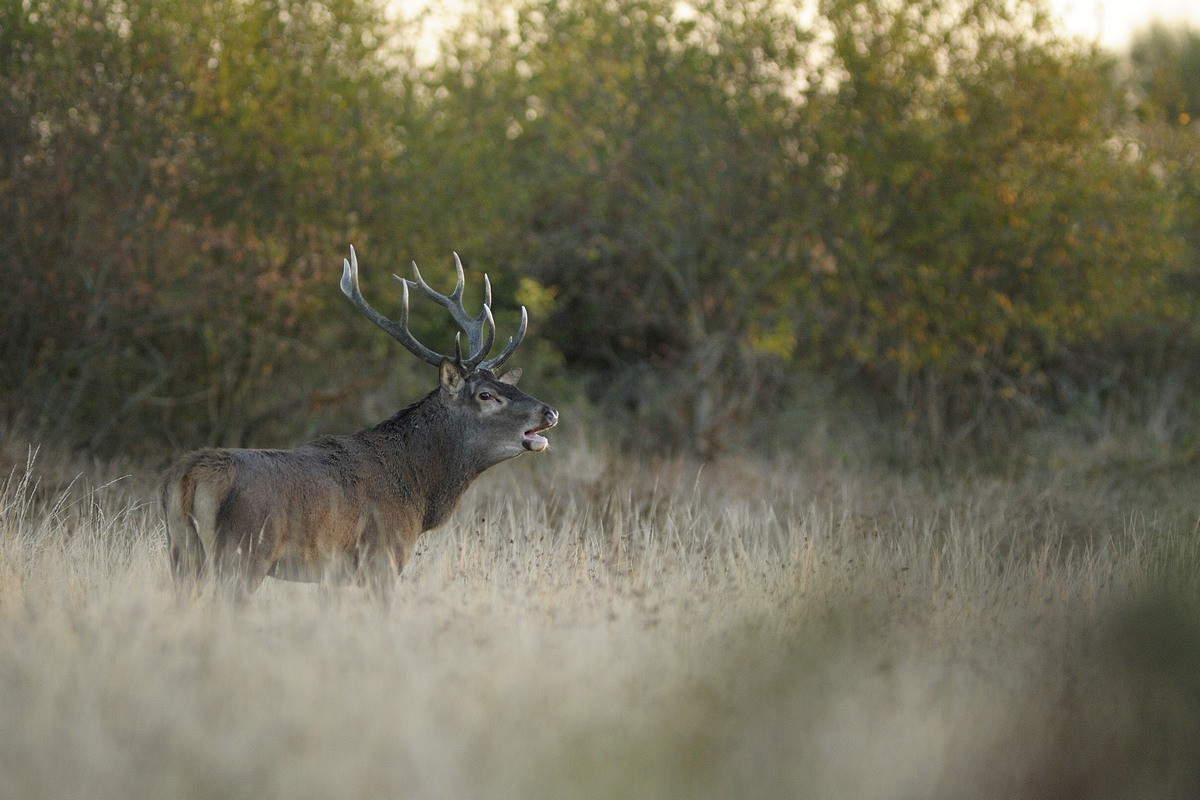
{"x": 534, "y": 441}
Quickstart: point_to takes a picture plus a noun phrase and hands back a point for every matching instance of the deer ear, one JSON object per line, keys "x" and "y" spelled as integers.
{"x": 452, "y": 376}
{"x": 511, "y": 377}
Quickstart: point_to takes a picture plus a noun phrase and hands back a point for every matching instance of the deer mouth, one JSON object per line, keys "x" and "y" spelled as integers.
{"x": 533, "y": 441}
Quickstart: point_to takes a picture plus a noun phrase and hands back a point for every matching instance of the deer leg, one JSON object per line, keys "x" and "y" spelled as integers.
{"x": 186, "y": 554}
{"x": 241, "y": 567}
{"x": 377, "y": 573}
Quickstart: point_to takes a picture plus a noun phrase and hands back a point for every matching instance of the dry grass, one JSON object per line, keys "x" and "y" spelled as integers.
{"x": 590, "y": 627}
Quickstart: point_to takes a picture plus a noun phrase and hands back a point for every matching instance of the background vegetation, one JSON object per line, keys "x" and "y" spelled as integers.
{"x": 937, "y": 211}
{"x": 918, "y": 281}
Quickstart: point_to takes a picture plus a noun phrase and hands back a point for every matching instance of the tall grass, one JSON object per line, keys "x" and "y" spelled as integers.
{"x": 590, "y": 625}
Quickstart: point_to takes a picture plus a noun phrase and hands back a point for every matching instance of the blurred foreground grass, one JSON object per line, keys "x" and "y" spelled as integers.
{"x": 593, "y": 626}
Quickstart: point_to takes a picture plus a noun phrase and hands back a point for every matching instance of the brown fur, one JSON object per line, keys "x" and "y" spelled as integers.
{"x": 352, "y": 507}
{"x": 346, "y": 508}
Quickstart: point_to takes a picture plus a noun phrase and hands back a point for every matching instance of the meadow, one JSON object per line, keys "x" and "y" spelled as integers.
{"x": 780, "y": 241}
{"x": 594, "y": 625}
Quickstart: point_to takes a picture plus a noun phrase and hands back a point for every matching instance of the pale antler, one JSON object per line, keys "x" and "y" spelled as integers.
{"x": 480, "y": 330}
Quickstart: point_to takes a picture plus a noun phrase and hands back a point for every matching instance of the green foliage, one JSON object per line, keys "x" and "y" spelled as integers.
{"x": 931, "y": 194}
{"x": 640, "y": 165}
{"x": 177, "y": 181}
{"x": 940, "y": 204}
{"x": 1165, "y": 64}
{"x": 1163, "y": 348}
{"x": 1165, "y": 75}
{"x": 980, "y": 219}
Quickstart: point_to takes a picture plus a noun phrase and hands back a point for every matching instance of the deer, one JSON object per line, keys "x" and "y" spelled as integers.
{"x": 349, "y": 509}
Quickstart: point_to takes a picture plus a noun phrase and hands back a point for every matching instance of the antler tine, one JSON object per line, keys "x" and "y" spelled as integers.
{"x": 495, "y": 363}
{"x": 487, "y": 325}
{"x": 433, "y": 294}
{"x": 398, "y": 331}
{"x": 460, "y": 279}
{"x": 483, "y": 322}
{"x": 480, "y": 330}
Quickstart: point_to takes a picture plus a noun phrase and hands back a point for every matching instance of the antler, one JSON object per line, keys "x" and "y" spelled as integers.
{"x": 480, "y": 330}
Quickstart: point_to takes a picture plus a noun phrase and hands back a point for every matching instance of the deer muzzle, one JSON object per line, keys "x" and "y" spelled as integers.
{"x": 532, "y": 440}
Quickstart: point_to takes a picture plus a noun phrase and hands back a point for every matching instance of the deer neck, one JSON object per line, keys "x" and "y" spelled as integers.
{"x": 428, "y": 459}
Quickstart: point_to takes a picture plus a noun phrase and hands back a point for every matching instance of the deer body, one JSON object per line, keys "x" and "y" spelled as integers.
{"x": 350, "y": 508}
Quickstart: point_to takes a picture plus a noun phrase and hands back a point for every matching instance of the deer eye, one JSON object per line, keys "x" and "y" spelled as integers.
{"x": 485, "y": 396}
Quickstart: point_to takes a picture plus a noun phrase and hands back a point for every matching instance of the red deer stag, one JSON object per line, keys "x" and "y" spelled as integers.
{"x": 350, "y": 508}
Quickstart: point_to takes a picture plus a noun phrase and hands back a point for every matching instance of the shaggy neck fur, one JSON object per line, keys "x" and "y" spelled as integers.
{"x": 424, "y": 449}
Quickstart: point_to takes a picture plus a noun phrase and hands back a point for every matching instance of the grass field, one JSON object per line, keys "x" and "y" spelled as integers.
{"x": 590, "y": 626}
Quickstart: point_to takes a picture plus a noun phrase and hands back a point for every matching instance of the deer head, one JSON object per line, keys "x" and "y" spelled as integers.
{"x": 469, "y": 384}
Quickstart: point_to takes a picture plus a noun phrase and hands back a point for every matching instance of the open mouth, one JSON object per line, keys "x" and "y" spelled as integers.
{"x": 533, "y": 441}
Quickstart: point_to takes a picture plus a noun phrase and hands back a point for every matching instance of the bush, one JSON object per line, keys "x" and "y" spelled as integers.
{"x": 947, "y": 207}
{"x": 179, "y": 180}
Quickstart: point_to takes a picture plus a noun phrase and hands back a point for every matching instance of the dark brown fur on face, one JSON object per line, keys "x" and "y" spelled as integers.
{"x": 350, "y": 508}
